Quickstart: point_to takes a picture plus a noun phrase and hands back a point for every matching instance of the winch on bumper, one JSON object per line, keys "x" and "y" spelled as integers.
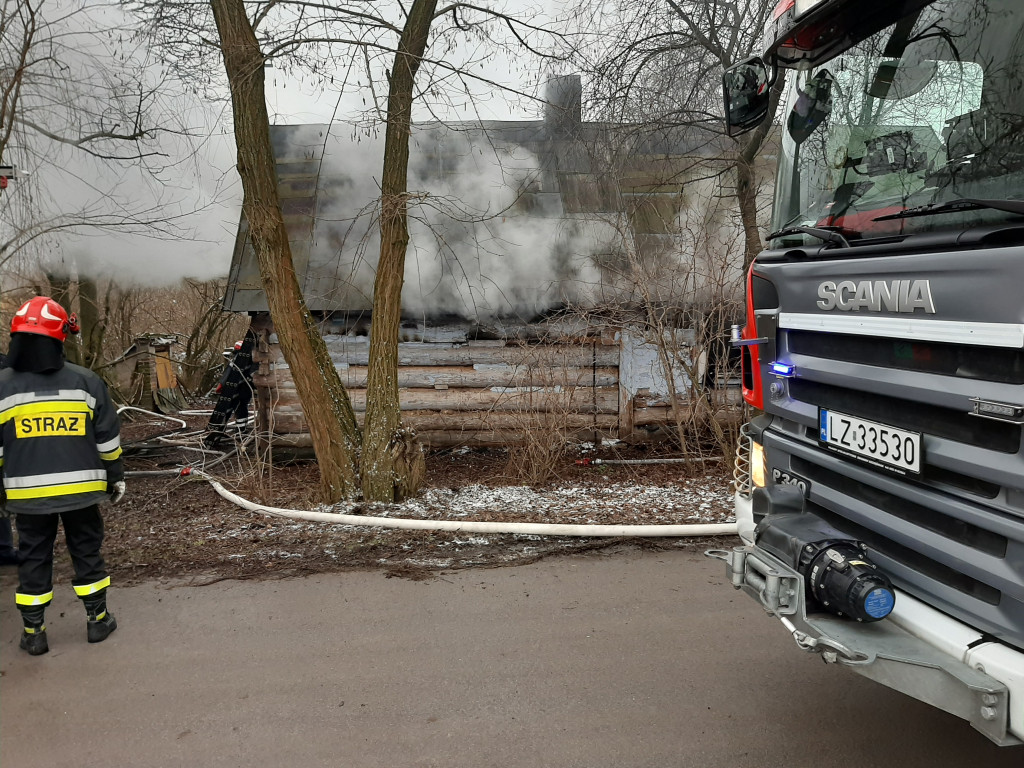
{"x": 915, "y": 649}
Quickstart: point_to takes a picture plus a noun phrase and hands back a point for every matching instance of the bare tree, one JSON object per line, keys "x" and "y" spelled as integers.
{"x": 333, "y": 428}
{"x": 661, "y": 65}
{"x": 75, "y": 113}
{"x": 210, "y": 330}
{"x": 381, "y": 427}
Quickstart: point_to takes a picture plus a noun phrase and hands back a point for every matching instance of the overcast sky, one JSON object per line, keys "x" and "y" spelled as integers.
{"x": 201, "y": 191}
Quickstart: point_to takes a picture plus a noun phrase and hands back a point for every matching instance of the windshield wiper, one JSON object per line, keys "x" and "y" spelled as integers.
{"x": 964, "y": 204}
{"x": 827, "y": 235}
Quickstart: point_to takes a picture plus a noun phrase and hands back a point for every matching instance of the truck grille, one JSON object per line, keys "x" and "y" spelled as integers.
{"x": 925, "y": 566}
{"x": 911, "y": 415}
{"x": 957, "y": 530}
{"x": 938, "y": 477}
{"x": 1004, "y": 366}
{"x": 952, "y": 534}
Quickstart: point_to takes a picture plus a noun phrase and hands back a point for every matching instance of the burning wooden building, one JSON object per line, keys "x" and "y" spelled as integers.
{"x": 547, "y": 264}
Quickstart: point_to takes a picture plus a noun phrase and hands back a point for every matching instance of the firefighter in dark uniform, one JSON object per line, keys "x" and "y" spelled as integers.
{"x": 60, "y": 455}
{"x": 234, "y": 392}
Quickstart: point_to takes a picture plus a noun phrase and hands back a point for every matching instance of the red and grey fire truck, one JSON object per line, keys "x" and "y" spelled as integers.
{"x": 880, "y": 487}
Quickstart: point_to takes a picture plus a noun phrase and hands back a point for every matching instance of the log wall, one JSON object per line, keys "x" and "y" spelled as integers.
{"x": 475, "y": 393}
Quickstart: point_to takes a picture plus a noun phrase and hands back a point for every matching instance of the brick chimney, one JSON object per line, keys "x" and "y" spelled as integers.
{"x": 563, "y": 112}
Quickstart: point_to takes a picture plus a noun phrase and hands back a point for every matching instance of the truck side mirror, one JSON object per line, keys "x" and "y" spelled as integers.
{"x": 746, "y": 90}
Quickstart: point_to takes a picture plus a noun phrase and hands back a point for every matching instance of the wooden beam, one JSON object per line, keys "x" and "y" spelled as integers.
{"x": 455, "y": 376}
{"x": 447, "y": 439}
{"x": 357, "y": 352}
{"x": 471, "y": 421}
{"x": 579, "y": 400}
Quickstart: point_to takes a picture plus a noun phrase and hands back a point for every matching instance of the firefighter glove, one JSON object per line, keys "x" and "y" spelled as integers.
{"x": 117, "y": 491}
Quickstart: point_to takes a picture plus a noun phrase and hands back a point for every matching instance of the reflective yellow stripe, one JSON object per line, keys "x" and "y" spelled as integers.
{"x": 108, "y": 456}
{"x": 60, "y": 396}
{"x": 100, "y": 616}
{"x": 23, "y": 599}
{"x": 33, "y": 630}
{"x": 45, "y": 491}
{"x": 49, "y": 479}
{"x": 90, "y": 589}
{"x": 28, "y": 409}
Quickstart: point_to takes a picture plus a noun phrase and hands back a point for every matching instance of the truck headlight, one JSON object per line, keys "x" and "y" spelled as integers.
{"x": 757, "y": 467}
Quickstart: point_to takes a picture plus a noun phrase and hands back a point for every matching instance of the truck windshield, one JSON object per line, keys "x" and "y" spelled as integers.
{"x": 926, "y": 111}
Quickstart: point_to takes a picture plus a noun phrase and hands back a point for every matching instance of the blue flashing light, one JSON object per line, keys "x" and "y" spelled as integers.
{"x": 783, "y": 369}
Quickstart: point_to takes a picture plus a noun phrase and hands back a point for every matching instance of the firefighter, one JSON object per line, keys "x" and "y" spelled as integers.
{"x": 60, "y": 455}
{"x": 234, "y": 392}
{"x": 238, "y": 372}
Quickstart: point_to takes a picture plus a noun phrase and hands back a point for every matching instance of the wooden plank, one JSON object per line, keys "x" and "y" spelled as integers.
{"x": 297, "y": 186}
{"x": 294, "y": 420}
{"x": 625, "y": 412}
{"x": 445, "y": 439}
{"x": 578, "y": 400}
{"x": 354, "y": 377}
{"x": 164, "y": 369}
{"x": 645, "y": 399}
{"x": 659, "y": 414}
{"x": 357, "y": 352}
{"x": 463, "y": 421}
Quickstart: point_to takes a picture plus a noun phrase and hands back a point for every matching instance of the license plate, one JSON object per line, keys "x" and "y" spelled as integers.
{"x": 870, "y": 441}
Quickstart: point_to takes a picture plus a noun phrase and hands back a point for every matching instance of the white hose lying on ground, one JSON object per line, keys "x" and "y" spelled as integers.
{"x": 534, "y": 529}
{"x": 164, "y": 416}
{"x": 598, "y": 462}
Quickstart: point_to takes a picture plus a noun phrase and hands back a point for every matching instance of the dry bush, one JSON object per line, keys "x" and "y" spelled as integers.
{"x": 549, "y": 428}
{"x": 546, "y": 447}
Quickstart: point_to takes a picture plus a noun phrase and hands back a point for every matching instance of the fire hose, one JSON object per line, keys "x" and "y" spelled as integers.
{"x": 597, "y": 462}
{"x": 467, "y": 526}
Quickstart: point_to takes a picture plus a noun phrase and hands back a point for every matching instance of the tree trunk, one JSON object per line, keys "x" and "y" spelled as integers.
{"x": 383, "y": 440}
{"x": 61, "y": 291}
{"x": 332, "y": 424}
{"x": 746, "y": 198}
{"x": 746, "y": 178}
{"x": 92, "y": 321}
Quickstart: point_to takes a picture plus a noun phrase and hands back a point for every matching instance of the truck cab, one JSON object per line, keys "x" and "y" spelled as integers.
{"x": 880, "y": 480}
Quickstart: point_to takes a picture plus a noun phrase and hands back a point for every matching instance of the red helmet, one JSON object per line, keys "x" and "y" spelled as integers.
{"x": 46, "y": 317}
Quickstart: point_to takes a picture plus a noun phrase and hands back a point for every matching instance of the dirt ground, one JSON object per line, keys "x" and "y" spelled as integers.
{"x": 174, "y": 527}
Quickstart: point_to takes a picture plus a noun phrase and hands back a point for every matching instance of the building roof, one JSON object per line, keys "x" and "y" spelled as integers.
{"x": 505, "y": 217}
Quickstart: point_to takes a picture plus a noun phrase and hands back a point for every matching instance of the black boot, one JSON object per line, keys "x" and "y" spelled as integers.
{"x": 33, "y": 638}
{"x": 101, "y": 622}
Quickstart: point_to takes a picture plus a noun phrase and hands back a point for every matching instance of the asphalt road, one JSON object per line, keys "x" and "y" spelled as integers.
{"x": 623, "y": 659}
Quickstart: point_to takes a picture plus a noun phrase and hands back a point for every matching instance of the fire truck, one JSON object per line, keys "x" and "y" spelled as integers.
{"x": 880, "y": 483}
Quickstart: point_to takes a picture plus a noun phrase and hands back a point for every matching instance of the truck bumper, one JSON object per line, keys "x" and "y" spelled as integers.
{"x": 745, "y": 525}
{"x": 916, "y": 650}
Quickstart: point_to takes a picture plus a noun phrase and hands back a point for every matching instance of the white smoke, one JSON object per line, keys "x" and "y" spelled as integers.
{"x": 476, "y": 249}
{"x": 150, "y": 221}
{"x": 195, "y": 215}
